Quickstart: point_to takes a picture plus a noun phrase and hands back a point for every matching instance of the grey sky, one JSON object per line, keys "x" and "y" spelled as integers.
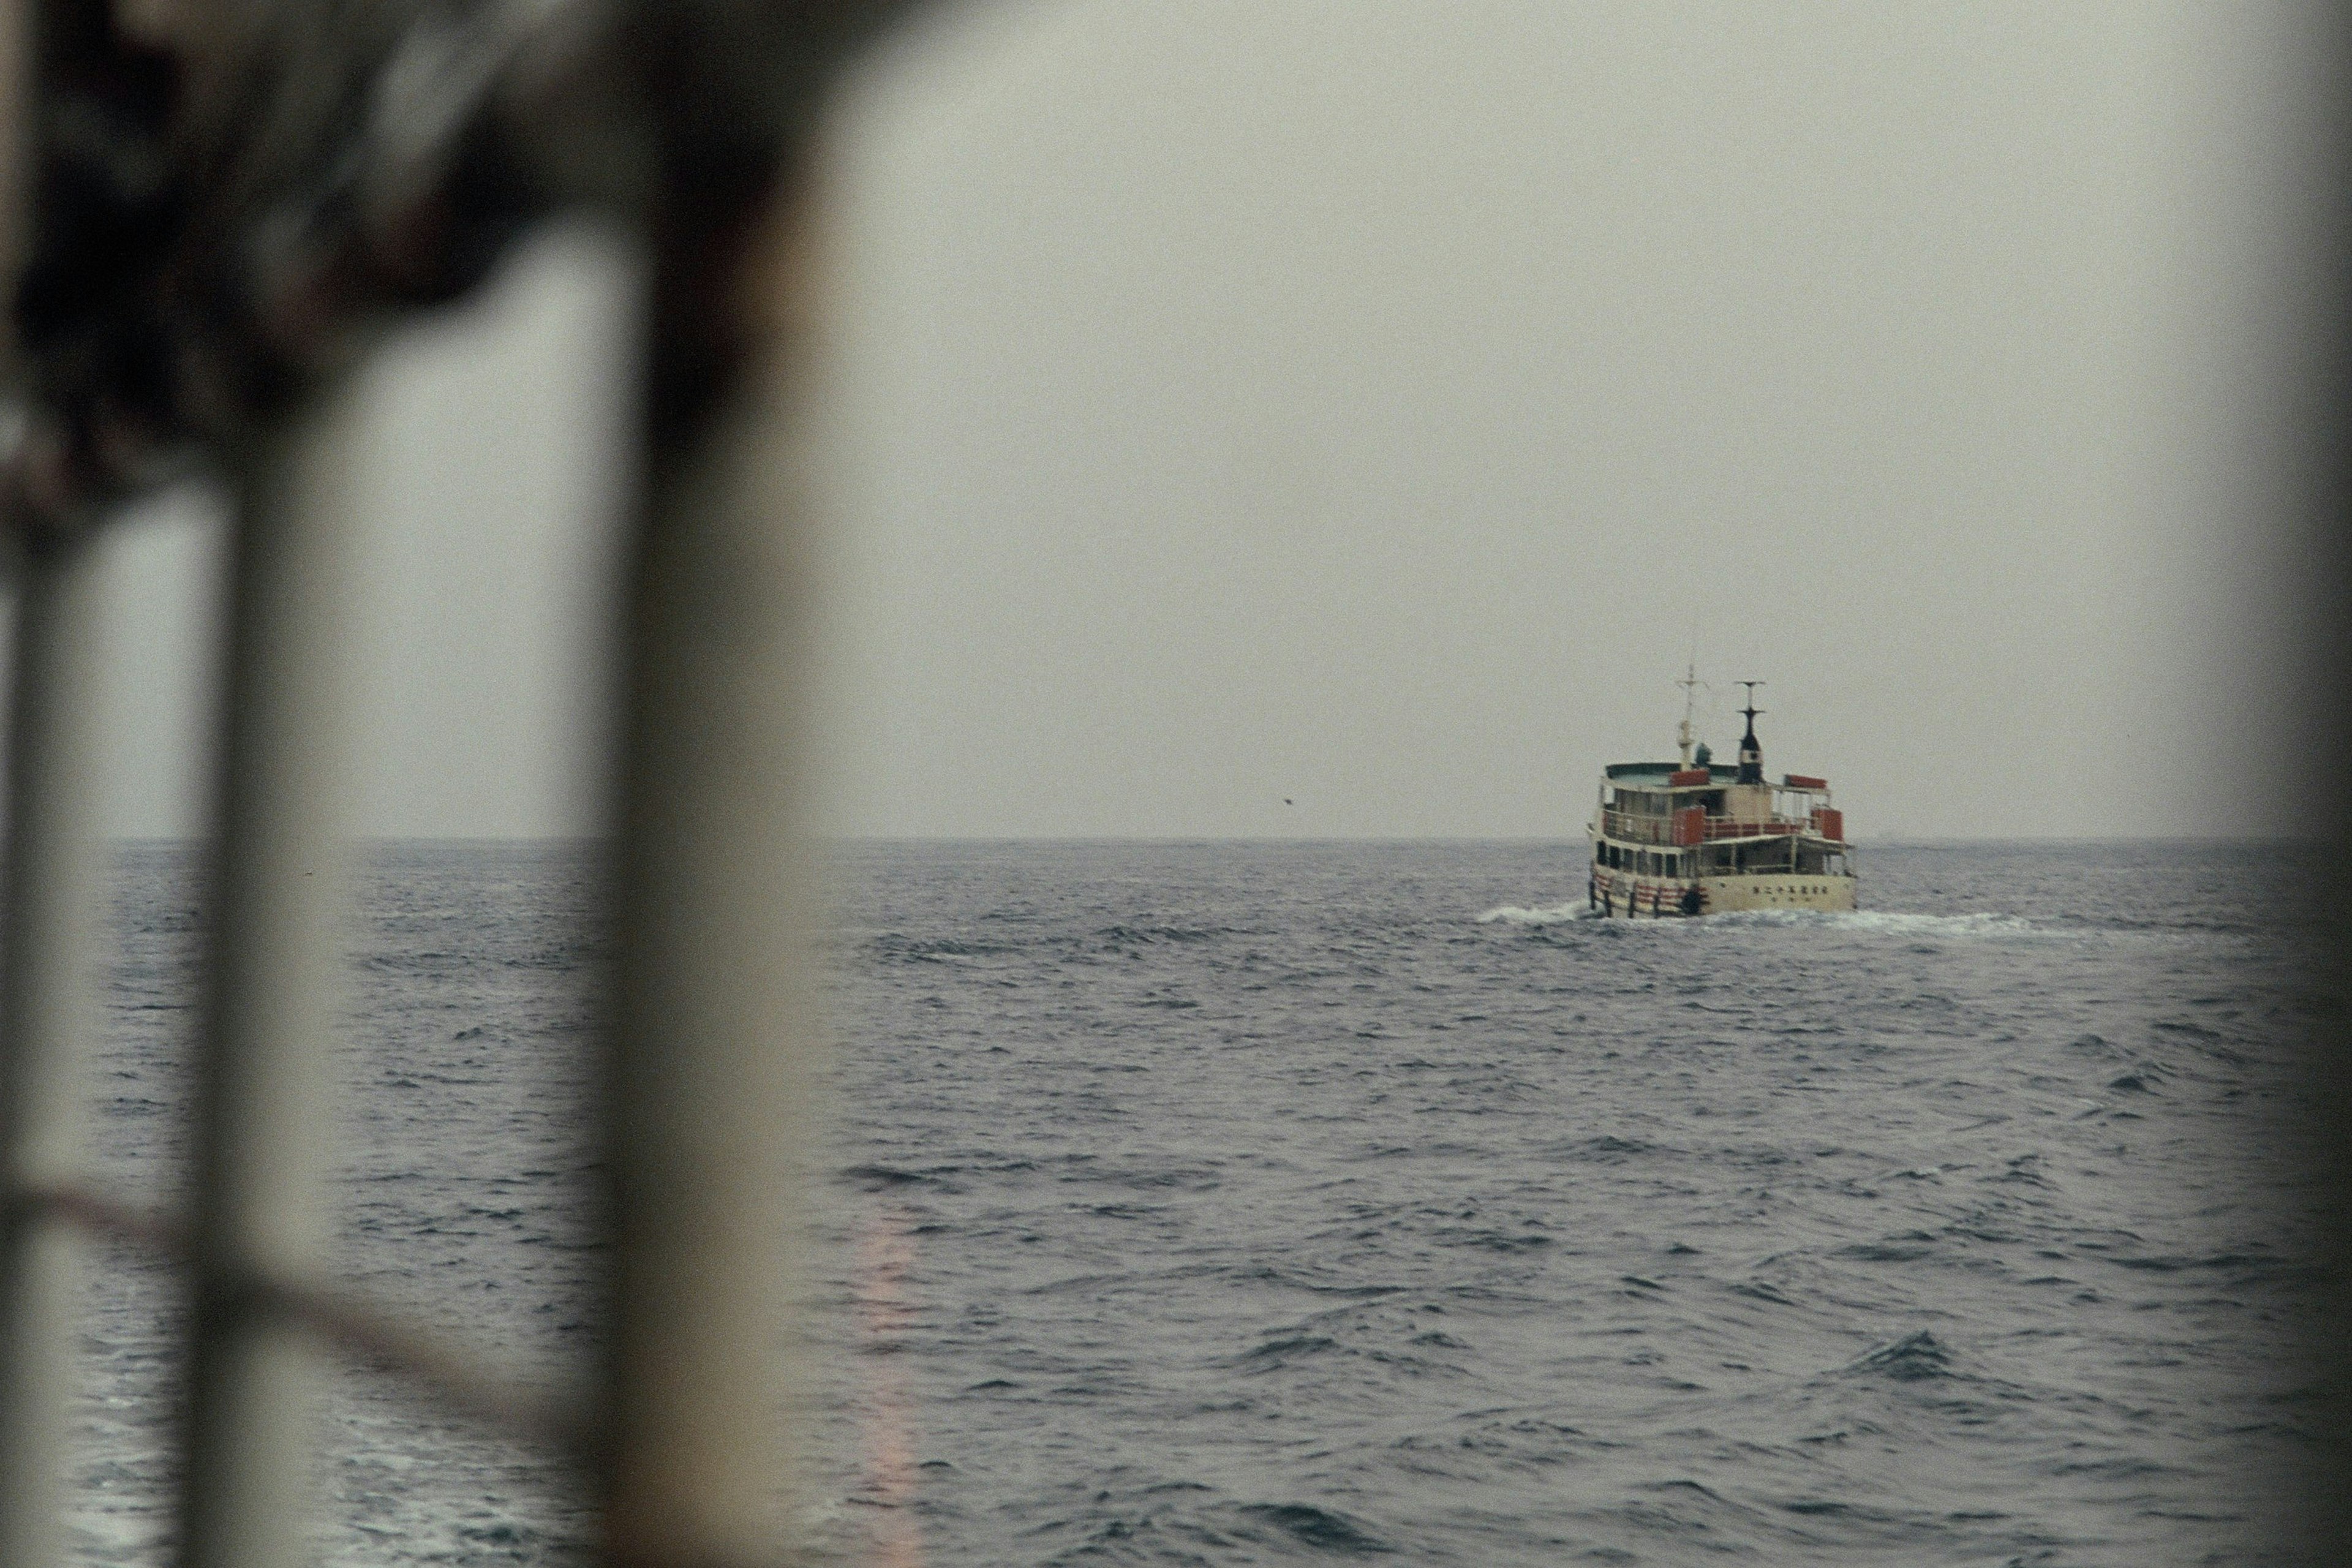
{"x": 1367, "y": 401}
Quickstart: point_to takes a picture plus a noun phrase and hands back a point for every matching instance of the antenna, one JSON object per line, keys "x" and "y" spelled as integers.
{"x": 1751, "y": 710}
{"x": 1690, "y": 683}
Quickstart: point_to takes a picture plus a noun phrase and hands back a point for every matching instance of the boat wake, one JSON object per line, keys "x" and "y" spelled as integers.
{"x": 1982, "y": 925}
{"x": 1887, "y": 923}
{"x": 1556, "y": 914}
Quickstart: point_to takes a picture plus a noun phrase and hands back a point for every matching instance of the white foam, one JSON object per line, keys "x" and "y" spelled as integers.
{"x": 1888, "y": 922}
{"x": 1557, "y": 915}
{"x": 1983, "y": 925}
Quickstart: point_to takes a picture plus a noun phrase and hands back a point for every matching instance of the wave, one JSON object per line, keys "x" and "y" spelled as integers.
{"x": 1321, "y": 1528}
{"x": 1913, "y": 1358}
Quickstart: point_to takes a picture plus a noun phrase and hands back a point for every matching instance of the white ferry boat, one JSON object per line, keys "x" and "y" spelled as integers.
{"x": 1699, "y": 839}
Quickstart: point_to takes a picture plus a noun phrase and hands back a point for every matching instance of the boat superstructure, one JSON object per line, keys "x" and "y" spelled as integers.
{"x": 1698, "y": 838}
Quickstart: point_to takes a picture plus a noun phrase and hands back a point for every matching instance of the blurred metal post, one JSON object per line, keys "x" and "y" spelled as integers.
{"x": 265, "y": 1109}
{"x": 716, "y": 1040}
{"x": 48, "y": 920}
{"x": 56, "y": 874}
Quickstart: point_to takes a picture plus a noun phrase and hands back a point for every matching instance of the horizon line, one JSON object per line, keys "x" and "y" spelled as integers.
{"x": 1889, "y": 841}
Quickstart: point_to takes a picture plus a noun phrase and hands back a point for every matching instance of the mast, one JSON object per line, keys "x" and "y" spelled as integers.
{"x": 1683, "y": 733}
{"x": 1751, "y": 750}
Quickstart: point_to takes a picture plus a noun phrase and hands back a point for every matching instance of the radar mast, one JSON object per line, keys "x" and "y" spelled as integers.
{"x": 1751, "y": 750}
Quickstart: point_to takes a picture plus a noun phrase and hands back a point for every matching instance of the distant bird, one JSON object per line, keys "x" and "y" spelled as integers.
{"x": 1285, "y": 800}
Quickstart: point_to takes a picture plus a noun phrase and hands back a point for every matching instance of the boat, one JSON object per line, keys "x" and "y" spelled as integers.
{"x": 1688, "y": 839}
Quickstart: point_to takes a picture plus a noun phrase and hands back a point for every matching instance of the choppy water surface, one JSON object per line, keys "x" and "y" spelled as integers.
{"x": 1230, "y": 1204}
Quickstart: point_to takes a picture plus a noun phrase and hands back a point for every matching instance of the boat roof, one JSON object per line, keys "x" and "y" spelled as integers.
{"x": 1655, "y": 773}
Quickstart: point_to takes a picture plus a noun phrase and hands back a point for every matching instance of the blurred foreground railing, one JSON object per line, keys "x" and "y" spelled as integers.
{"x": 220, "y": 205}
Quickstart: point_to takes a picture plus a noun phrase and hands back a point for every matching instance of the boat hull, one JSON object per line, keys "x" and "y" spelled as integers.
{"x": 1728, "y": 895}
{"x": 1624, "y": 895}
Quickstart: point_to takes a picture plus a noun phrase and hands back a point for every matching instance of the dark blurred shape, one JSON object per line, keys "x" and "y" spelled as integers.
{"x": 222, "y": 217}
{"x": 107, "y": 203}
{"x": 2321, "y": 1497}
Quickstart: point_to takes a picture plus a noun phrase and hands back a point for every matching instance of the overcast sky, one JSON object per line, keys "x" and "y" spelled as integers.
{"x": 1374, "y": 403}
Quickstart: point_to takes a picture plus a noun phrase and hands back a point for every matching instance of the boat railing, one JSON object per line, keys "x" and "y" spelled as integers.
{"x": 1637, "y": 829}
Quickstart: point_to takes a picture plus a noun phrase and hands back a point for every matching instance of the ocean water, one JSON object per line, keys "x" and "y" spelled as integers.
{"x": 1236, "y": 1203}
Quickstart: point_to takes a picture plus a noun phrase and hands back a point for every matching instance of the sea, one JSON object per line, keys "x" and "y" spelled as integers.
{"x": 1301, "y": 1203}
